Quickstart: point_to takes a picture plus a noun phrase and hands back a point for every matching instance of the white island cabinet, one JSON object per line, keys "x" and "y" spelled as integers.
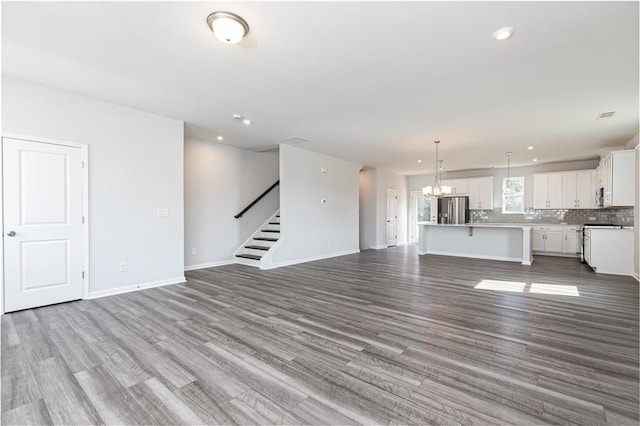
{"x": 510, "y": 242}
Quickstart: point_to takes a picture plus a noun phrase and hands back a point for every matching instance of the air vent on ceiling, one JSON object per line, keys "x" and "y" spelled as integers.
{"x": 295, "y": 139}
{"x": 604, "y": 115}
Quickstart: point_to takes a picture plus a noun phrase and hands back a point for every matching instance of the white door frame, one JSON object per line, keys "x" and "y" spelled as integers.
{"x": 413, "y": 220}
{"x": 395, "y": 192}
{"x": 84, "y": 152}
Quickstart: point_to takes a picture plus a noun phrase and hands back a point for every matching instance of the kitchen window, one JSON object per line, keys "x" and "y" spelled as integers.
{"x": 513, "y": 195}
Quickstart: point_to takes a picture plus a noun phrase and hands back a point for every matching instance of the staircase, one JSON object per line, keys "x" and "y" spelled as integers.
{"x": 260, "y": 243}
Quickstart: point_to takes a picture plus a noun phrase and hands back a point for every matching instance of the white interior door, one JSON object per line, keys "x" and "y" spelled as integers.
{"x": 42, "y": 193}
{"x": 392, "y": 217}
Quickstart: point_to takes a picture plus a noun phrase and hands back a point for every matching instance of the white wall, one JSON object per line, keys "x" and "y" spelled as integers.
{"x": 633, "y": 144}
{"x": 135, "y": 167}
{"x": 368, "y": 208}
{"x": 636, "y": 217}
{"x": 389, "y": 180}
{"x": 415, "y": 183}
{"x": 219, "y": 181}
{"x": 373, "y": 207}
{"x": 310, "y": 229}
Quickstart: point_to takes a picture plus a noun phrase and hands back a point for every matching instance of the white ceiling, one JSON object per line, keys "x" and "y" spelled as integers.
{"x": 374, "y": 82}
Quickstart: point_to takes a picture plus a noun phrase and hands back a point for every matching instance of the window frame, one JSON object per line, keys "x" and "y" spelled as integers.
{"x": 505, "y": 197}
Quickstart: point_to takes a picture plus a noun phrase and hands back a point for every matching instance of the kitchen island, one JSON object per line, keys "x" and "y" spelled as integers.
{"x": 494, "y": 241}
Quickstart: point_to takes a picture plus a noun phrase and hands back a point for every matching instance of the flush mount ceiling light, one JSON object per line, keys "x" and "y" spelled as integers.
{"x": 244, "y": 120}
{"x": 228, "y": 27}
{"x": 439, "y": 189}
{"x": 529, "y": 148}
{"x": 419, "y": 161}
{"x": 220, "y": 138}
{"x": 503, "y": 33}
{"x": 535, "y": 160}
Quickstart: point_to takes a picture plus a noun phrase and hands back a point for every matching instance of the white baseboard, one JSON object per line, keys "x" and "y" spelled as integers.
{"x": 475, "y": 256}
{"x": 134, "y": 287}
{"x": 636, "y": 276}
{"x": 378, "y": 247}
{"x": 208, "y": 265}
{"x": 310, "y": 259}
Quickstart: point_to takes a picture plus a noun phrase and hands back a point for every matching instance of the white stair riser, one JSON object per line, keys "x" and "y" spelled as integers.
{"x": 268, "y": 234}
{"x": 274, "y": 227}
{"x": 254, "y": 251}
{"x": 262, "y": 243}
{"x": 248, "y": 262}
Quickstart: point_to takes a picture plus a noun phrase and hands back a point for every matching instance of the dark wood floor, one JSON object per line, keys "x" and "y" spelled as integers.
{"x": 377, "y": 337}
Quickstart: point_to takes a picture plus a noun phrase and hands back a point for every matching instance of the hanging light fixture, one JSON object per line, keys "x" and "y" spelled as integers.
{"x": 439, "y": 189}
{"x": 228, "y": 27}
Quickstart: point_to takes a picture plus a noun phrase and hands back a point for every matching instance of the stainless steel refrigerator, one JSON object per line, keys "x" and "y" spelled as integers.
{"x": 453, "y": 210}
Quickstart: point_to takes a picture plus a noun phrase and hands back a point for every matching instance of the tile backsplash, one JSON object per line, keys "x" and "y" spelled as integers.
{"x": 616, "y": 216}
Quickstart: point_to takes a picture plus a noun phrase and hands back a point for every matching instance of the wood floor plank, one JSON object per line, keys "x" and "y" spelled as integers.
{"x": 112, "y": 401}
{"x": 34, "y": 413}
{"x": 66, "y": 402}
{"x": 19, "y": 386}
{"x": 379, "y": 337}
{"x": 163, "y": 407}
{"x": 199, "y": 399}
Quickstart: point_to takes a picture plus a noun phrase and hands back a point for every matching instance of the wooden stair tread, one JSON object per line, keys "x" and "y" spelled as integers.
{"x": 270, "y": 230}
{"x": 257, "y": 247}
{"x": 265, "y": 239}
{"x": 249, "y": 256}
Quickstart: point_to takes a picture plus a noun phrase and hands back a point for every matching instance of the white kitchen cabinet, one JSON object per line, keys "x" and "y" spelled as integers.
{"x": 481, "y": 193}
{"x": 577, "y": 190}
{"x": 609, "y": 251}
{"x": 537, "y": 240}
{"x": 547, "y": 238}
{"x": 618, "y": 171}
{"x": 570, "y": 240}
{"x": 547, "y": 191}
{"x": 458, "y": 186}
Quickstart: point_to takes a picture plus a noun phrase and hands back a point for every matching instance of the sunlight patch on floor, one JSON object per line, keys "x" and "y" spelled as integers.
{"x": 501, "y": 286}
{"x": 522, "y": 287}
{"x": 562, "y": 290}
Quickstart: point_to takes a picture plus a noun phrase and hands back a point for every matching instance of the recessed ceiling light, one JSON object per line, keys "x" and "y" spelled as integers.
{"x": 228, "y": 27}
{"x": 419, "y": 161}
{"x": 535, "y": 160}
{"x": 220, "y": 138}
{"x": 607, "y": 114}
{"x": 503, "y": 33}
{"x": 529, "y": 148}
{"x": 246, "y": 121}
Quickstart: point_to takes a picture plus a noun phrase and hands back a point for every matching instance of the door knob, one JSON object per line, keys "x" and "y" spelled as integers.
{"x": 11, "y": 234}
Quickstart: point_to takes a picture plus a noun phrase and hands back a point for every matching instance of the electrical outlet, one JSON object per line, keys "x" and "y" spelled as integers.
{"x": 122, "y": 267}
{"x": 194, "y": 251}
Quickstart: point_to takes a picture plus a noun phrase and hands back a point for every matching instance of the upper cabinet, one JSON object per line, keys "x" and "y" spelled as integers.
{"x": 458, "y": 186}
{"x": 577, "y": 190}
{"x": 547, "y": 191}
{"x": 481, "y": 193}
{"x": 617, "y": 178}
{"x": 564, "y": 190}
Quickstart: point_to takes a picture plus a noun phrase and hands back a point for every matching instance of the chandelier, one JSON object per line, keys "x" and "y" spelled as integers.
{"x": 439, "y": 189}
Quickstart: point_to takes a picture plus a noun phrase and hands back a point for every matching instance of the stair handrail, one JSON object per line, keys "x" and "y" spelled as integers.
{"x": 253, "y": 203}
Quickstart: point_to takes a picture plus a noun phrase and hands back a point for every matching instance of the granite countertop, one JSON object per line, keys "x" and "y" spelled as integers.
{"x": 479, "y": 225}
